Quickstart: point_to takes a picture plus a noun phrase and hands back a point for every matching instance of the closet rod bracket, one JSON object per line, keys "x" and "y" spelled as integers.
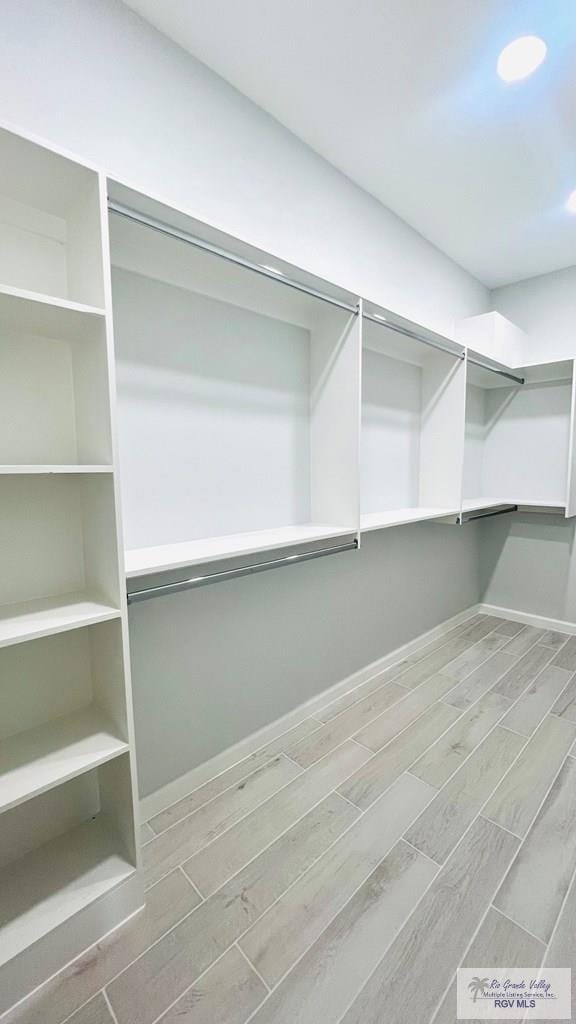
{"x": 472, "y": 516}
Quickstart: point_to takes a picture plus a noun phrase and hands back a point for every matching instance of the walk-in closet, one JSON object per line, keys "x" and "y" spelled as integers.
{"x": 287, "y": 512}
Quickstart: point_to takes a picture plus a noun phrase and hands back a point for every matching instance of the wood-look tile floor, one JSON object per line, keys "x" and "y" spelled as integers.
{"x": 342, "y": 873}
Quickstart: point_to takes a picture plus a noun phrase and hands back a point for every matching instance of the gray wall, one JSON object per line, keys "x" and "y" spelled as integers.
{"x": 214, "y": 665}
{"x": 528, "y": 563}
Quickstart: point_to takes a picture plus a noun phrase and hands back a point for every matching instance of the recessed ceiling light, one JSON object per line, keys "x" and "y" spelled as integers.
{"x": 521, "y": 57}
{"x": 571, "y": 202}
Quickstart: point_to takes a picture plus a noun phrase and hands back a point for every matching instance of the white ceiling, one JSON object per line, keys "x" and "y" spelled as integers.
{"x": 402, "y": 96}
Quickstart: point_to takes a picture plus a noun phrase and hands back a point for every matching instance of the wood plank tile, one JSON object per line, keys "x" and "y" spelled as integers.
{"x": 445, "y": 820}
{"x": 432, "y": 664}
{"x": 279, "y": 938}
{"x": 518, "y": 797}
{"x": 331, "y": 972}
{"x": 534, "y": 888}
{"x": 167, "y": 903}
{"x": 565, "y": 706}
{"x": 336, "y": 707}
{"x": 309, "y": 750}
{"x": 434, "y": 939}
{"x": 465, "y": 630}
{"x": 95, "y": 1012}
{"x": 526, "y": 639}
{"x": 566, "y": 657}
{"x": 516, "y": 680}
{"x": 390, "y": 723}
{"x": 474, "y": 656}
{"x": 562, "y": 948}
{"x": 210, "y": 868}
{"x": 552, "y": 638}
{"x": 537, "y": 701}
{"x": 508, "y": 628}
{"x": 151, "y": 984}
{"x": 181, "y": 841}
{"x": 442, "y": 759}
{"x": 233, "y": 776}
{"x": 484, "y": 625}
{"x": 480, "y": 681}
{"x": 227, "y": 994}
{"x": 384, "y": 768}
{"x": 499, "y": 943}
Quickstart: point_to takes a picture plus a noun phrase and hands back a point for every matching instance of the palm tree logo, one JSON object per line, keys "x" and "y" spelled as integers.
{"x": 478, "y": 986}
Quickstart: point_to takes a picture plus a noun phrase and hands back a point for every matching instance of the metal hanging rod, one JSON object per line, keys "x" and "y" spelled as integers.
{"x": 216, "y": 250}
{"x": 398, "y": 329}
{"x": 496, "y": 369}
{"x": 234, "y": 574}
{"x": 502, "y": 510}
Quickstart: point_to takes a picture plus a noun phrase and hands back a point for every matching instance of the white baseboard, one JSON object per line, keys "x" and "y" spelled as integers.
{"x": 528, "y": 619}
{"x": 184, "y": 784}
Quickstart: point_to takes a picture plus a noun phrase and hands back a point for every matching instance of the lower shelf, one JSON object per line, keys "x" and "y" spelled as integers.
{"x": 37, "y": 760}
{"x": 34, "y": 619}
{"x": 144, "y": 561}
{"x": 398, "y": 516}
{"x": 46, "y": 887}
{"x": 473, "y": 504}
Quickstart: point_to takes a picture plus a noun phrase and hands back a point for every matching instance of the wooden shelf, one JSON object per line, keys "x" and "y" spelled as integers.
{"x": 35, "y": 761}
{"x": 57, "y": 470}
{"x": 46, "y": 887}
{"x": 399, "y": 516}
{"x": 144, "y": 561}
{"x": 33, "y": 619}
{"x": 45, "y": 315}
{"x": 473, "y": 504}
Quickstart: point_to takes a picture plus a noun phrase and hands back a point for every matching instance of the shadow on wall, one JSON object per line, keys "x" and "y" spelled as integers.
{"x": 528, "y": 564}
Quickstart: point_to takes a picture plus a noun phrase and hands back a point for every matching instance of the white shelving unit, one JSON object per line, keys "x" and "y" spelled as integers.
{"x": 239, "y": 433}
{"x": 518, "y": 438}
{"x": 412, "y": 424}
{"x": 246, "y": 417}
{"x": 68, "y": 850}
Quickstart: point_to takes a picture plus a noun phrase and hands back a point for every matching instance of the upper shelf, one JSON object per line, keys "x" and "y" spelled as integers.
{"x": 395, "y": 336}
{"x": 50, "y": 223}
{"x": 182, "y": 251}
{"x": 145, "y": 561}
{"x": 8, "y": 470}
{"x": 35, "y": 313}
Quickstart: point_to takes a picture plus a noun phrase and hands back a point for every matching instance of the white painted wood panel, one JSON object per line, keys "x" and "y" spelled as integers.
{"x": 50, "y": 240}
{"x": 336, "y": 351}
{"x": 36, "y": 760}
{"x": 143, "y": 561}
{"x": 30, "y": 620}
{"x": 51, "y": 884}
{"x": 214, "y": 422}
{"x": 517, "y": 444}
{"x": 412, "y": 428}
